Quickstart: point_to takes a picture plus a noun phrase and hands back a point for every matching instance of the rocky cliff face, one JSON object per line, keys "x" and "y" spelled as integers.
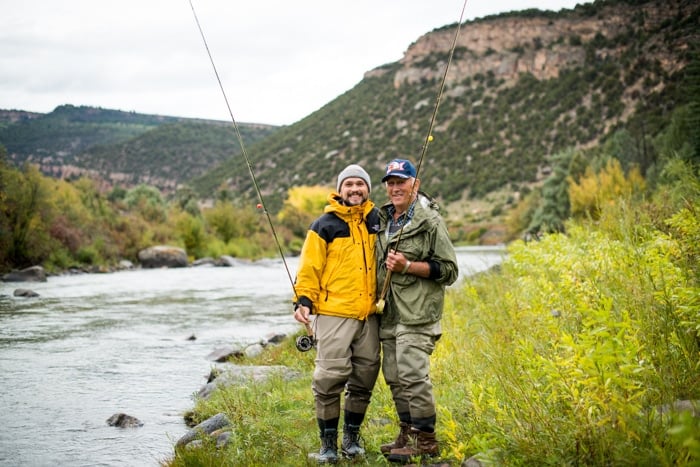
{"x": 542, "y": 46}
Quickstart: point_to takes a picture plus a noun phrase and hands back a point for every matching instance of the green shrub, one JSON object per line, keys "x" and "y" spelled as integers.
{"x": 88, "y": 255}
{"x": 567, "y": 353}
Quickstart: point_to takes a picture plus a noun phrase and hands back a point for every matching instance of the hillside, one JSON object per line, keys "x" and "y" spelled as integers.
{"x": 522, "y": 87}
{"x": 121, "y": 148}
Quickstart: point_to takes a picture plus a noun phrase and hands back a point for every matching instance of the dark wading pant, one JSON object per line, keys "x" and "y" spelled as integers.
{"x": 406, "y": 367}
{"x": 347, "y": 358}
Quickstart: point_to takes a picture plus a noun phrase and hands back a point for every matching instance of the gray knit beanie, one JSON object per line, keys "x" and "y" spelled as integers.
{"x": 353, "y": 170}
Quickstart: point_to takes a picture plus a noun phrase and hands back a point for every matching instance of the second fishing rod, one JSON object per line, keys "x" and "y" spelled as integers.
{"x": 381, "y": 303}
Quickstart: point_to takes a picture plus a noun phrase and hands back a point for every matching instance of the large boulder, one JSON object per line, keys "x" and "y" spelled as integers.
{"x": 30, "y": 274}
{"x": 163, "y": 256}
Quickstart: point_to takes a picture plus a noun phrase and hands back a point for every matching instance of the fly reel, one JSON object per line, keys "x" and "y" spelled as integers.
{"x": 305, "y": 343}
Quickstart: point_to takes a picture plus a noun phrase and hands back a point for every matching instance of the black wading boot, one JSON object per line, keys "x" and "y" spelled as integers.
{"x": 351, "y": 434}
{"x": 329, "y": 442}
{"x": 351, "y": 441}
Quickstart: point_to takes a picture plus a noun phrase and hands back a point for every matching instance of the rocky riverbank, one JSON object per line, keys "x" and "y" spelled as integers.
{"x": 229, "y": 373}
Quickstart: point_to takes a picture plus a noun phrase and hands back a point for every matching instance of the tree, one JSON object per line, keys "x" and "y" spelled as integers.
{"x": 186, "y": 199}
{"x": 302, "y": 206}
{"x": 190, "y": 230}
{"x": 222, "y": 220}
{"x": 147, "y": 201}
{"x": 118, "y": 193}
{"x": 692, "y": 72}
{"x": 606, "y": 186}
{"x": 23, "y": 198}
{"x": 550, "y": 215}
{"x": 623, "y": 147}
{"x": 4, "y": 220}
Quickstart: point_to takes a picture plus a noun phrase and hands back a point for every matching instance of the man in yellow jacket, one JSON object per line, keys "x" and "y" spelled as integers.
{"x": 336, "y": 282}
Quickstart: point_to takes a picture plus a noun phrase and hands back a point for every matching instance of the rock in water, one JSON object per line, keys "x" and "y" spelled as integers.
{"x": 123, "y": 420}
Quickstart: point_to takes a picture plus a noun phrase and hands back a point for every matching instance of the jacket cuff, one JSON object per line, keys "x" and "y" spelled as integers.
{"x": 304, "y": 301}
{"x": 434, "y": 269}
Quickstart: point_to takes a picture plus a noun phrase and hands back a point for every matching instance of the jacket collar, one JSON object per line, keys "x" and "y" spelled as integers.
{"x": 347, "y": 212}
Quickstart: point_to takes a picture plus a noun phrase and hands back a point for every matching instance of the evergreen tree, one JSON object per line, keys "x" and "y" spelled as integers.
{"x": 550, "y": 215}
{"x": 692, "y": 72}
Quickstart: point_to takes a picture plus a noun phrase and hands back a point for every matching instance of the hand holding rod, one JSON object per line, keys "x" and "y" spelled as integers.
{"x": 307, "y": 342}
{"x": 387, "y": 281}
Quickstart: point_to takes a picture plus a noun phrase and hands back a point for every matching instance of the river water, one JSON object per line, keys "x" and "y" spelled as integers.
{"x": 92, "y": 345}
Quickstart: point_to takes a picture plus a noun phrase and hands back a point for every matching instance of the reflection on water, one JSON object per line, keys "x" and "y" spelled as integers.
{"x": 93, "y": 345}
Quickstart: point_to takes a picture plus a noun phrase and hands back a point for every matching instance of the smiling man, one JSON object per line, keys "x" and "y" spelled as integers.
{"x": 416, "y": 259}
{"x": 336, "y": 282}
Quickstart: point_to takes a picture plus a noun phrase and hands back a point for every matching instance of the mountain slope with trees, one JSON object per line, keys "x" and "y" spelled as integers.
{"x": 543, "y": 116}
{"x": 121, "y": 148}
{"x": 522, "y": 87}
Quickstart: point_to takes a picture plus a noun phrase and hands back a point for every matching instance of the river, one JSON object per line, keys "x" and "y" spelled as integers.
{"x": 92, "y": 345}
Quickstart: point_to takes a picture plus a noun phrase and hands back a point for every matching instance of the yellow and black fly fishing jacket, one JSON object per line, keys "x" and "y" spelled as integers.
{"x": 336, "y": 271}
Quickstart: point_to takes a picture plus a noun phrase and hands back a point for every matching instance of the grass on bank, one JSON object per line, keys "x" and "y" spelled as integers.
{"x": 565, "y": 355}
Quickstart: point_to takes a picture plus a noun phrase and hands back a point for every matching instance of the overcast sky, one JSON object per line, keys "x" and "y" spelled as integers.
{"x": 279, "y": 60}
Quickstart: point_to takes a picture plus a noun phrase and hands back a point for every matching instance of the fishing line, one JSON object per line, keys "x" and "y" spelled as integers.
{"x": 243, "y": 150}
{"x": 428, "y": 139}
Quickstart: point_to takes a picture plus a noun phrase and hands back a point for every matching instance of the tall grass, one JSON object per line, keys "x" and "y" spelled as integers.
{"x": 567, "y": 354}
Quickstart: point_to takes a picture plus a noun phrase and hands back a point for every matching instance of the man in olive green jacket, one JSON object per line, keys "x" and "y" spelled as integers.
{"x": 412, "y": 275}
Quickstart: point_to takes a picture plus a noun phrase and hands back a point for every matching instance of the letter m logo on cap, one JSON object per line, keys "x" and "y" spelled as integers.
{"x": 395, "y": 166}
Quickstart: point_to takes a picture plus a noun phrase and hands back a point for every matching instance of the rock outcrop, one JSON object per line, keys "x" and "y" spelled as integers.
{"x": 505, "y": 46}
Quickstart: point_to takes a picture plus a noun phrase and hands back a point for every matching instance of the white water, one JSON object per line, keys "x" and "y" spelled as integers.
{"x": 97, "y": 344}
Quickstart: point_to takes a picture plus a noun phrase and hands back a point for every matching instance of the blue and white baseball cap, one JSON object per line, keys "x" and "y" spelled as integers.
{"x": 401, "y": 168}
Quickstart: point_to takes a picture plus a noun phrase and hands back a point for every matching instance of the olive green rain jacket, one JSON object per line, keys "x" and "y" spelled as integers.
{"x": 413, "y": 300}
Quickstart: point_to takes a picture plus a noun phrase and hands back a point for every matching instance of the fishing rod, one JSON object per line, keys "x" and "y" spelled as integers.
{"x": 303, "y": 343}
{"x": 381, "y": 303}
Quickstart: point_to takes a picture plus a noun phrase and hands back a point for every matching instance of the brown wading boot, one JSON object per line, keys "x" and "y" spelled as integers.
{"x": 420, "y": 443}
{"x": 399, "y": 442}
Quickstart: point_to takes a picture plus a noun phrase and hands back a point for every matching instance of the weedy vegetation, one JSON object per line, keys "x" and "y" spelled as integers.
{"x": 574, "y": 351}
